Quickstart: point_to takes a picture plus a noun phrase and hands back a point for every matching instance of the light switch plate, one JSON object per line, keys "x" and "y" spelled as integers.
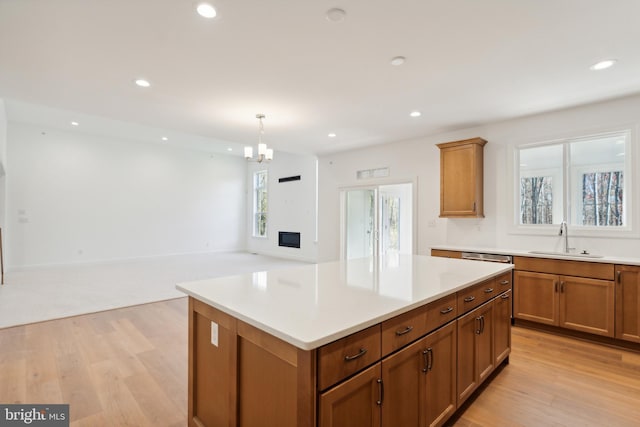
{"x": 214, "y": 333}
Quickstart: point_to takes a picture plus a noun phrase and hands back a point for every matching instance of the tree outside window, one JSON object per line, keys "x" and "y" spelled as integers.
{"x": 578, "y": 180}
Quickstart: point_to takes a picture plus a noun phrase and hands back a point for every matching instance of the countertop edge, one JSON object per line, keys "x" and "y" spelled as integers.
{"x": 319, "y": 342}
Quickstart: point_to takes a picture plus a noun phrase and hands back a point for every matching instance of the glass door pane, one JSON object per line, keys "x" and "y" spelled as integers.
{"x": 360, "y": 227}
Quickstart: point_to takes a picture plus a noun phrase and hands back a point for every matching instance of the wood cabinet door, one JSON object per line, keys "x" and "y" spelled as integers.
{"x": 475, "y": 350}
{"x": 404, "y": 383}
{"x": 536, "y": 297}
{"x": 467, "y": 380}
{"x": 485, "y": 342}
{"x": 587, "y": 305}
{"x": 353, "y": 402}
{"x": 628, "y": 303}
{"x": 502, "y": 327}
{"x": 461, "y": 178}
{"x": 441, "y": 401}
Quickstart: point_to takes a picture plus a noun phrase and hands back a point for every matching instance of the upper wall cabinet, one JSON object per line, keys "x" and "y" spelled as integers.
{"x": 461, "y": 178}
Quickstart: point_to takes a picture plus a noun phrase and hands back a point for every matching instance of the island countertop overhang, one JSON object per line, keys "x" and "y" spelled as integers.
{"x": 313, "y": 305}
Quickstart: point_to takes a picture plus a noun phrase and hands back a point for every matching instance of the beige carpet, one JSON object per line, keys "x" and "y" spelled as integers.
{"x": 40, "y": 294}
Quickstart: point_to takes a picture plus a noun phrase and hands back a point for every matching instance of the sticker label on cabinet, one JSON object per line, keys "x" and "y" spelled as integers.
{"x": 214, "y": 333}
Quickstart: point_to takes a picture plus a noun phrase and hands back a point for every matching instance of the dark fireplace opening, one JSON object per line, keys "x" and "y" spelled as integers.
{"x": 289, "y": 239}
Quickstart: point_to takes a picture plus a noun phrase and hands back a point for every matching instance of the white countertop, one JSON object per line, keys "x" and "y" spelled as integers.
{"x": 520, "y": 252}
{"x": 310, "y": 306}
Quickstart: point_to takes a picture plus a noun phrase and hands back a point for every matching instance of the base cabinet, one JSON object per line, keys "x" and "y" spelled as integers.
{"x": 355, "y": 402}
{"x": 251, "y": 378}
{"x": 475, "y": 349}
{"x": 628, "y": 303}
{"x": 502, "y": 327}
{"x": 577, "y": 303}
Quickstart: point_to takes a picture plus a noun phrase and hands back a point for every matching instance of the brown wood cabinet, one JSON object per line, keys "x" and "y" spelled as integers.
{"x": 446, "y": 254}
{"x": 628, "y": 303}
{"x": 475, "y": 350}
{"x": 461, "y": 178}
{"x": 355, "y": 402}
{"x": 502, "y": 327}
{"x": 578, "y": 303}
{"x": 248, "y": 377}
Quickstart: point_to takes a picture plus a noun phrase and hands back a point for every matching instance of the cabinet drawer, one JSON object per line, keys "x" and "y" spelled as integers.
{"x": 503, "y": 283}
{"x": 442, "y": 311}
{"x": 472, "y": 297}
{"x": 346, "y": 356}
{"x": 401, "y": 330}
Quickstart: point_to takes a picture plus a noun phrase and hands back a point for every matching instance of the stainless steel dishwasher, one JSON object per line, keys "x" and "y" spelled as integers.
{"x": 505, "y": 259}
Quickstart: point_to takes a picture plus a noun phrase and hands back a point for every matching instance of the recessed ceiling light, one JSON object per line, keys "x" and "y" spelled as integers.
{"x": 143, "y": 83}
{"x": 164, "y": 138}
{"x": 75, "y": 124}
{"x": 229, "y": 149}
{"x": 398, "y": 60}
{"x": 206, "y": 10}
{"x": 332, "y": 135}
{"x": 336, "y": 15}
{"x": 603, "y": 65}
{"x": 415, "y": 114}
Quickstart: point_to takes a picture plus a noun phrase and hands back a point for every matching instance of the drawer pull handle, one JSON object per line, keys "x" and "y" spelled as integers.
{"x": 380, "y": 392}
{"x": 469, "y": 299}
{"x": 505, "y": 296}
{"x": 404, "y": 331}
{"x": 355, "y": 356}
{"x": 488, "y": 290}
{"x": 504, "y": 282}
{"x": 479, "y": 320}
{"x": 446, "y": 310}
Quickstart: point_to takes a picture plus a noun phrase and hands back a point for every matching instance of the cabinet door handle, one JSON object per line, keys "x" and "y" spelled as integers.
{"x": 430, "y": 358}
{"x": 505, "y": 296}
{"x": 618, "y": 274}
{"x": 425, "y": 357}
{"x": 355, "y": 356}
{"x": 404, "y": 331}
{"x": 504, "y": 282}
{"x": 479, "y": 320}
{"x": 562, "y": 287}
{"x": 446, "y": 310}
{"x": 555, "y": 285}
{"x": 474, "y": 207}
{"x": 488, "y": 290}
{"x": 380, "y": 392}
{"x": 469, "y": 299}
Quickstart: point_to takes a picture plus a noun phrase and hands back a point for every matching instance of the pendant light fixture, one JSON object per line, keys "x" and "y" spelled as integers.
{"x": 264, "y": 153}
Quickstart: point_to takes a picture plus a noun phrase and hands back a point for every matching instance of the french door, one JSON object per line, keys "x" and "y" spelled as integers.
{"x": 377, "y": 221}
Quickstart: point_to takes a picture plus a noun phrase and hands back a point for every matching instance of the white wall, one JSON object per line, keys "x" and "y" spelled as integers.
{"x": 292, "y": 206}
{"x": 75, "y": 197}
{"x": 419, "y": 159}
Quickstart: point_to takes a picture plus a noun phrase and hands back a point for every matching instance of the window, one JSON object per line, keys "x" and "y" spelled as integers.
{"x": 260, "y": 205}
{"x": 581, "y": 180}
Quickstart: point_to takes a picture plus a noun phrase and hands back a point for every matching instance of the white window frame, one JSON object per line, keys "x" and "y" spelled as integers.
{"x": 255, "y": 212}
{"x": 631, "y": 204}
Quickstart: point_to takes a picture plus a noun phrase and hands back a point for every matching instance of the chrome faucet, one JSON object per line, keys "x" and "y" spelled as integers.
{"x": 564, "y": 231}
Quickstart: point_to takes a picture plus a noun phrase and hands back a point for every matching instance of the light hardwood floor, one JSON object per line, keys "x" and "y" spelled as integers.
{"x": 128, "y": 367}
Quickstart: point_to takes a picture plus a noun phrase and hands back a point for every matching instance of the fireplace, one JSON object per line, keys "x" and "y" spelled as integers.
{"x": 289, "y": 239}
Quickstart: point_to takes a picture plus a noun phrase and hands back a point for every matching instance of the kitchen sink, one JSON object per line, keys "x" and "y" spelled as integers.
{"x": 564, "y": 254}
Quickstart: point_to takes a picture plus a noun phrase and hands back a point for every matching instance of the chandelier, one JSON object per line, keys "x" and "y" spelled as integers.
{"x": 264, "y": 153}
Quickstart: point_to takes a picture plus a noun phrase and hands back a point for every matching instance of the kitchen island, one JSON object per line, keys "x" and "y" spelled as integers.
{"x": 360, "y": 342}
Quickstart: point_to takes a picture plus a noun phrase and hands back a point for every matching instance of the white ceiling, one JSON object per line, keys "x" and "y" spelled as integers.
{"x": 469, "y": 62}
